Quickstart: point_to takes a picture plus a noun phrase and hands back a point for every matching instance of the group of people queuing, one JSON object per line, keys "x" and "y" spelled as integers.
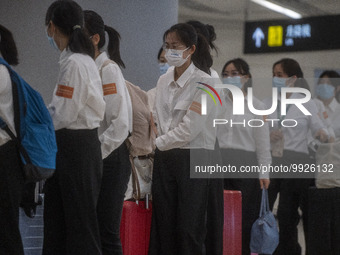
{"x": 91, "y": 111}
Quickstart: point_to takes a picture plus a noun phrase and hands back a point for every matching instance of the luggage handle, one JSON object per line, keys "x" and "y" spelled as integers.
{"x": 147, "y": 201}
{"x": 135, "y": 182}
{"x": 136, "y": 185}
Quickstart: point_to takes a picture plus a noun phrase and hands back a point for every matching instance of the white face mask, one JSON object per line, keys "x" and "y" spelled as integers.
{"x": 52, "y": 41}
{"x": 175, "y": 57}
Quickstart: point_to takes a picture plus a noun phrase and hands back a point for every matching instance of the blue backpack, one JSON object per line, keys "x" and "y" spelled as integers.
{"x": 34, "y": 127}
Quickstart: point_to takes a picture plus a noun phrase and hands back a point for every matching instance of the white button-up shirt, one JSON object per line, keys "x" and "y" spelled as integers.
{"x": 330, "y": 115}
{"x": 295, "y": 138}
{"x": 177, "y": 111}
{"x": 213, "y": 73}
{"x": 6, "y": 103}
{"x": 117, "y": 123}
{"x": 151, "y": 97}
{"x": 77, "y": 101}
{"x": 245, "y": 137}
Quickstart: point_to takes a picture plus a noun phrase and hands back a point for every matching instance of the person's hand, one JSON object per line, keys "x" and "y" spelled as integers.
{"x": 264, "y": 183}
{"x": 321, "y": 136}
{"x": 276, "y": 135}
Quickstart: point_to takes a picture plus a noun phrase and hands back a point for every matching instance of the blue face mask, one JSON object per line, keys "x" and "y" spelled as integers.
{"x": 236, "y": 81}
{"x": 279, "y": 83}
{"x": 52, "y": 42}
{"x": 325, "y": 91}
{"x": 163, "y": 67}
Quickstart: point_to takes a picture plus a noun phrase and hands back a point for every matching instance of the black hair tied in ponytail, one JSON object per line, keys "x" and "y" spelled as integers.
{"x": 188, "y": 35}
{"x": 207, "y": 31}
{"x": 68, "y": 16}
{"x": 95, "y": 25}
{"x": 113, "y": 46}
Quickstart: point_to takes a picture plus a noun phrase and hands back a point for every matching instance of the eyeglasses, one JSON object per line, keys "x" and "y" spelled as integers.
{"x": 173, "y": 47}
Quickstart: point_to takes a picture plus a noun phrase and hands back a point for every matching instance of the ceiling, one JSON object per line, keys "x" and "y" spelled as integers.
{"x": 217, "y": 11}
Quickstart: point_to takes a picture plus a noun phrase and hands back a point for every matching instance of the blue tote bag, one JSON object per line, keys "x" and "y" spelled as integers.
{"x": 264, "y": 232}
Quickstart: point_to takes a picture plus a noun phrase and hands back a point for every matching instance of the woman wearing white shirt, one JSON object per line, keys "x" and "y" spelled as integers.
{"x": 12, "y": 178}
{"x": 328, "y": 107}
{"x": 324, "y": 203}
{"x": 215, "y": 214}
{"x": 77, "y": 108}
{"x": 180, "y": 202}
{"x": 244, "y": 146}
{"x": 294, "y": 147}
{"x": 114, "y": 130}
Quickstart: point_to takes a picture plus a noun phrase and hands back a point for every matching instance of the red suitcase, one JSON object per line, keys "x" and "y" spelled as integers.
{"x": 232, "y": 230}
{"x": 135, "y": 227}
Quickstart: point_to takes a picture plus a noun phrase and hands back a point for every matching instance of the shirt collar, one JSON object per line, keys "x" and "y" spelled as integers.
{"x": 181, "y": 81}
{"x": 333, "y": 105}
{"x": 64, "y": 55}
{"x": 101, "y": 59}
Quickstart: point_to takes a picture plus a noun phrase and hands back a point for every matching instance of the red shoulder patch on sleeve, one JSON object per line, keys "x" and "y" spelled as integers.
{"x": 65, "y": 91}
{"x": 109, "y": 89}
{"x": 196, "y": 107}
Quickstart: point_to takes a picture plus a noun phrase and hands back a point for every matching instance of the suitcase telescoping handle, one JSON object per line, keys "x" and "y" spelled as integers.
{"x": 136, "y": 186}
{"x": 146, "y": 201}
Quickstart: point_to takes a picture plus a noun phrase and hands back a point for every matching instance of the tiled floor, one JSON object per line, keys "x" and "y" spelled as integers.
{"x": 32, "y": 232}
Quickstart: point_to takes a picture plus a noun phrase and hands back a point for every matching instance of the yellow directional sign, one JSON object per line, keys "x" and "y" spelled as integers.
{"x": 275, "y": 36}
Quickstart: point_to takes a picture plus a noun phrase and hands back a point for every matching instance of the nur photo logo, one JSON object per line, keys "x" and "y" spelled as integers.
{"x": 204, "y": 97}
{"x": 238, "y": 103}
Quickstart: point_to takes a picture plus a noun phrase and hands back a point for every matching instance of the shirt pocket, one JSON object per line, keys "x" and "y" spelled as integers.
{"x": 179, "y": 112}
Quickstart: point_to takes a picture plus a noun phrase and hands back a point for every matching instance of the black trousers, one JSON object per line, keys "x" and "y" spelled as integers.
{"x": 249, "y": 187}
{"x": 324, "y": 221}
{"x": 70, "y": 216}
{"x": 293, "y": 195}
{"x": 215, "y": 218}
{"x": 179, "y": 205}
{"x": 11, "y": 186}
{"x": 116, "y": 174}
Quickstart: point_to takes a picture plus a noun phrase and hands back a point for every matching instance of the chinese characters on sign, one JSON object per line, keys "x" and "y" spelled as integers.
{"x": 315, "y": 33}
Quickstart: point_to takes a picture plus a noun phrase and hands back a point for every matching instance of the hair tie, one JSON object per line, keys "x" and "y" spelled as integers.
{"x": 76, "y": 26}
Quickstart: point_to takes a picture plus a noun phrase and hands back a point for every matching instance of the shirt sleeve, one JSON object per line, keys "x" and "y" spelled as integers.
{"x": 151, "y": 97}
{"x": 154, "y": 111}
{"x": 117, "y": 110}
{"x": 315, "y": 123}
{"x": 69, "y": 96}
{"x": 192, "y": 124}
{"x": 5, "y": 79}
{"x": 323, "y": 115}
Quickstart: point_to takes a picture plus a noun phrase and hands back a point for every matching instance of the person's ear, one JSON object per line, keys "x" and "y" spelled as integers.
{"x": 51, "y": 28}
{"x": 192, "y": 49}
{"x": 95, "y": 39}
